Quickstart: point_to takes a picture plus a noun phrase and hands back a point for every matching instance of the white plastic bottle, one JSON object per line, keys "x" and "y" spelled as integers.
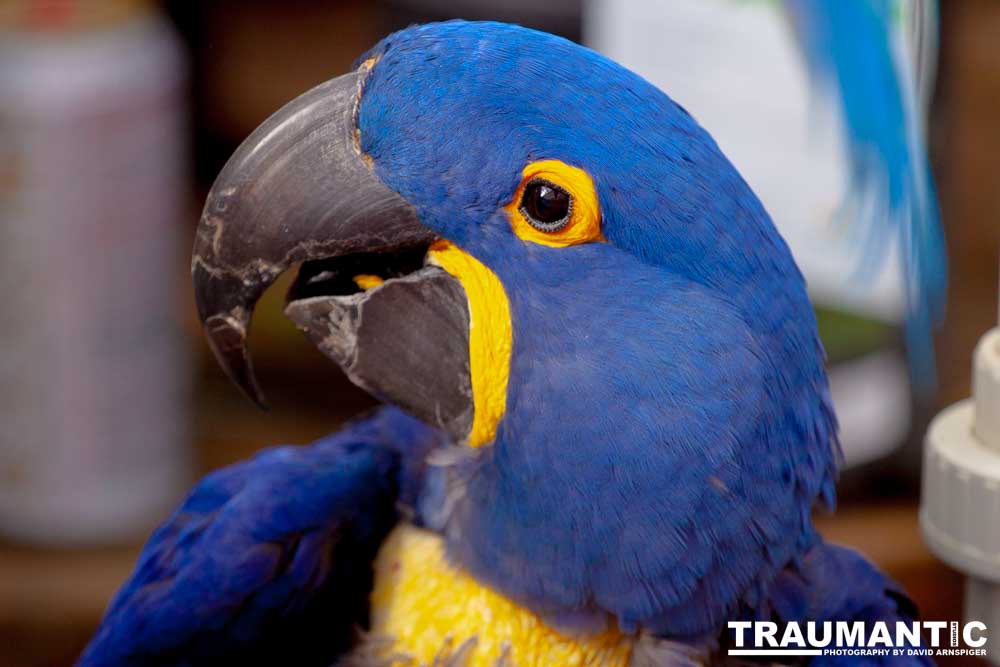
{"x": 93, "y": 372}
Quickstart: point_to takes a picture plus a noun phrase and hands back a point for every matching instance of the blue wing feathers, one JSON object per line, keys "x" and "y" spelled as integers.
{"x": 834, "y": 583}
{"x": 268, "y": 556}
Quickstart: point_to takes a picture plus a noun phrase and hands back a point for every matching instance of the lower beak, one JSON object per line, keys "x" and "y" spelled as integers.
{"x": 298, "y": 190}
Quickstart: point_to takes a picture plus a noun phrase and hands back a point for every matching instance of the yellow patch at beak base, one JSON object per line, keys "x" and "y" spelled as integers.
{"x": 366, "y": 281}
{"x": 490, "y": 337}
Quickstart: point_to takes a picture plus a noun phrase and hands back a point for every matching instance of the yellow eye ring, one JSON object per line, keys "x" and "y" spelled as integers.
{"x": 555, "y": 205}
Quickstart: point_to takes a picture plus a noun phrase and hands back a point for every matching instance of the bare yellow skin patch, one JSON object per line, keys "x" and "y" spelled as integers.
{"x": 367, "y": 281}
{"x": 585, "y": 218}
{"x": 490, "y": 337}
{"x": 422, "y": 604}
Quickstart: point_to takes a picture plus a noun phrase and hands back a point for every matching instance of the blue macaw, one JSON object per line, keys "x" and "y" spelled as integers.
{"x": 613, "y": 418}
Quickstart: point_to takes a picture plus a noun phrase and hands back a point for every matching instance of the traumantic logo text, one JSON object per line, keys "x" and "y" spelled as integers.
{"x": 856, "y": 638}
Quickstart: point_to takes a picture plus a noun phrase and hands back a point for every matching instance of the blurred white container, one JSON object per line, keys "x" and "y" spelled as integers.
{"x": 93, "y": 372}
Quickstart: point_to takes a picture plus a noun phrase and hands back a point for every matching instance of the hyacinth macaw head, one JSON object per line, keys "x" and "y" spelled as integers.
{"x": 523, "y": 243}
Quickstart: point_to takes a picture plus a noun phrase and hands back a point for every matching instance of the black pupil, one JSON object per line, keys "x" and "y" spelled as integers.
{"x": 546, "y": 203}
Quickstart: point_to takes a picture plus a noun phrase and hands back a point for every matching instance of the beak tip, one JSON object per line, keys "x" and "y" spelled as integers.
{"x": 252, "y": 391}
{"x": 226, "y": 334}
{"x": 261, "y": 402}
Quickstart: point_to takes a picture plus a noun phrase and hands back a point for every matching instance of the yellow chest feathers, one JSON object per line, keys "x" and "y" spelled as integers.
{"x": 427, "y": 612}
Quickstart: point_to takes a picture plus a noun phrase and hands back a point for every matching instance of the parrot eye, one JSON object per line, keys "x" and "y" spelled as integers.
{"x": 555, "y": 205}
{"x": 547, "y": 206}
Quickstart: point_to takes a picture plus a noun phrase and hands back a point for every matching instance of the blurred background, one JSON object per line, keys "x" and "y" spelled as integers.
{"x": 115, "y": 116}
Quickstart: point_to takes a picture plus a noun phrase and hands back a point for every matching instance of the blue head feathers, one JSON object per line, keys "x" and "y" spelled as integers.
{"x": 668, "y": 424}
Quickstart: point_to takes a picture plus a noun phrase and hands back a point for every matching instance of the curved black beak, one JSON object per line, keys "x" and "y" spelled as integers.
{"x": 299, "y": 190}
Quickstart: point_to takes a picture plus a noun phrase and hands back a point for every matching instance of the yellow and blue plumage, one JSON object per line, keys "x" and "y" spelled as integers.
{"x": 615, "y": 419}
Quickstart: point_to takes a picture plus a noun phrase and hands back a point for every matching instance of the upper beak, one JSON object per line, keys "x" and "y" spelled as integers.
{"x": 299, "y": 190}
